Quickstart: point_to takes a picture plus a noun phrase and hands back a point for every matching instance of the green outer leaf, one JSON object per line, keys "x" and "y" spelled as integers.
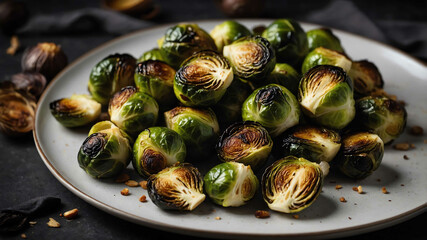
{"x": 285, "y": 75}
{"x": 324, "y": 56}
{"x": 323, "y": 37}
{"x": 153, "y": 54}
{"x": 228, "y": 32}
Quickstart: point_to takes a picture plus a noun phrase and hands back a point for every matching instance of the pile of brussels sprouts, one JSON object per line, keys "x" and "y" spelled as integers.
{"x": 232, "y": 93}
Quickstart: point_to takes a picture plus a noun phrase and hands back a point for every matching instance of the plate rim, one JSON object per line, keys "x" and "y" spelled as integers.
{"x": 347, "y": 231}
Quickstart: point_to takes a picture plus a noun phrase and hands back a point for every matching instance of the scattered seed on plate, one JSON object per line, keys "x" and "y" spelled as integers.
{"x": 405, "y": 157}
{"x": 417, "y": 131}
{"x": 143, "y": 184}
{"x": 338, "y": 186}
{"x": 125, "y": 191}
{"x": 217, "y": 218}
{"x": 401, "y": 146}
{"x": 384, "y": 190}
{"x": 354, "y": 189}
{"x": 342, "y": 199}
{"x": 360, "y": 190}
{"x": 262, "y": 214}
{"x": 296, "y": 216}
{"x": 143, "y": 198}
{"x": 131, "y": 183}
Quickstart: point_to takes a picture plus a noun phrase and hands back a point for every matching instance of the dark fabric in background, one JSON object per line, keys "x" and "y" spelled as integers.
{"x": 80, "y": 25}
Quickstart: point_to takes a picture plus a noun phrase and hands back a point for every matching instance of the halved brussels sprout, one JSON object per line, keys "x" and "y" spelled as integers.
{"x": 360, "y": 155}
{"x": 324, "y": 56}
{"x": 198, "y": 127}
{"x": 153, "y": 54}
{"x": 228, "y": 32}
{"x": 133, "y": 111}
{"x": 78, "y": 110}
{"x": 105, "y": 152}
{"x": 245, "y": 142}
{"x": 323, "y": 37}
{"x": 155, "y": 78}
{"x": 315, "y": 144}
{"x": 202, "y": 79}
{"x": 382, "y": 115}
{"x": 231, "y": 184}
{"x": 157, "y": 148}
{"x": 285, "y": 75}
{"x": 288, "y": 40}
{"x": 366, "y": 77}
{"x": 182, "y": 40}
{"x": 110, "y": 75}
{"x": 326, "y": 96}
{"x": 179, "y": 187}
{"x": 252, "y": 57}
{"x": 274, "y": 107}
{"x": 291, "y": 184}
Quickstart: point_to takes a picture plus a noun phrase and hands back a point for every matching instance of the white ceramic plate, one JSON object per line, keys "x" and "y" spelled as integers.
{"x": 327, "y": 217}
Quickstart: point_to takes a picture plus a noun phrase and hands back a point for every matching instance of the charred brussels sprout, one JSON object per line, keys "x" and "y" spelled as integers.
{"x": 179, "y": 187}
{"x": 231, "y": 184}
{"x": 291, "y": 184}
{"x": 288, "y": 40}
{"x": 324, "y": 56}
{"x": 326, "y": 96}
{"x": 366, "y": 78}
{"x": 252, "y": 58}
{"x": 133, "y": 111}
{"x": 156, "y": 79}
{"x": 198, "y": 127}
{"x": 360, "y": 155}
{"x": 105, "y": 152}
{"x": 110, "y": 75}
{"x": 245, "y": 142}
{"x": 274, "y": 107}
{"x": 382, "y": 115}
{"x": 285, "y": 75}
{"x": 202, "y": 79}
{"x": 182, "y": 40}
{"x": 228, "y": 32}
{"x": 323, "y": 37}
{"x": 157, "y": 148}
{"x": 153, "y": 54}
{"x": 78, "y": 110}
{"x": 315, "y": 144}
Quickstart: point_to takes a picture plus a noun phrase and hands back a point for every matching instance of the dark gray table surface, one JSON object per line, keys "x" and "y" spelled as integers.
{"x": 23, "y": 175}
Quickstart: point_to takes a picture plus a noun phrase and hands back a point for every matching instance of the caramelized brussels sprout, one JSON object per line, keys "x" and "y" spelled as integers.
{"x": 231, "y": 184}
{"x": 179, "y": 187}
{"x": 30, "y": 82}
{"x": 252, "y": 58}
{"x": 202, "y": 79}
{"x": 382, "y": 115}
{"x": 323, "y": 37}
{"x": 155, "y": 78}
{"x": 78, "y": 110}
{"x": 133, "y": 111}
{"x": 326, "y": 96}
{"x": 245, "y": 142}
{"x": 182, "y": 40}
{"x": 157, "y": 148}
{"x": 324, "y": 56}
{"x": 366, "y": 77}
{"x": 288, "y": 40}
{"x": 228, "y": 32}
{"x": 153, "y": 54}
{"x": 285, "y": 75}
{"x": 110, "y": 75}
{"x": 198, "y": 127}
{"x": 274, "y": 107}
{"x": 106, "y": 151}
{"x": 360, "y": 155}
{"x": 315, "y": 144}
{"x": 291, "y": 184}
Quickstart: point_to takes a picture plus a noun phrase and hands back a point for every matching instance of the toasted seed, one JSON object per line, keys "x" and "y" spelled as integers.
{"x": 417, "y": 131}
{"x": 143, "y": 184}
{"x": 71, "y": 214}
{"x": 359, "y": 189}
{"x": 53, "y": 223}
{"x": 338, "y": 186}
{"x": 131, "y": 183}
{"x": 217, "y": 218}
{"x": 342, "y": 199}
{"x": 355, "y": 189}
{"x": 143, "y": 198}
{"x": 296, "y": 216}
{"x": 401, "y": 146}
{"x": 262, "y": 214}
{"x": 384, "y": 190}
{"x": 405, "y": 157}
{"x": 125, "y": 191}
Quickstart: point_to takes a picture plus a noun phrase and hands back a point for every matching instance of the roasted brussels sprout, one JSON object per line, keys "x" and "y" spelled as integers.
{"x": 133, "y": 111}
{"x": 361, "y": 154}
{"x": 231, "y": 184}
{"x": 156, "y": 79}
{"x": 157, "y": 148}
{"x": 182, "y": 40}
{"x": 29, "y": 82}
{"x": 323, "y": 37}
{"x": 326, "y": 96}
{"x": 110, "y": 75}
{"x": 382, "y": 115}
{"x": 179, "y": 187}
{"x": 198, "y": 127}
{"x": 202, "y": 79}
{"x": 291, "y": 184}
{"x": 252, "y": 58}
{"x": 245, "y": 142}
{"x": 285, "y": 75}
{"x": 288, "y": 40}
{"x": 153, "y": 54}
{"x": 228, "y": 32}
{"x": 106, "y": 151}
{"x": 324, "y": 56}
{"x": 366, "y": 78}
{"x": 274, "y": 107}
{"x": 315, "y": 144}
